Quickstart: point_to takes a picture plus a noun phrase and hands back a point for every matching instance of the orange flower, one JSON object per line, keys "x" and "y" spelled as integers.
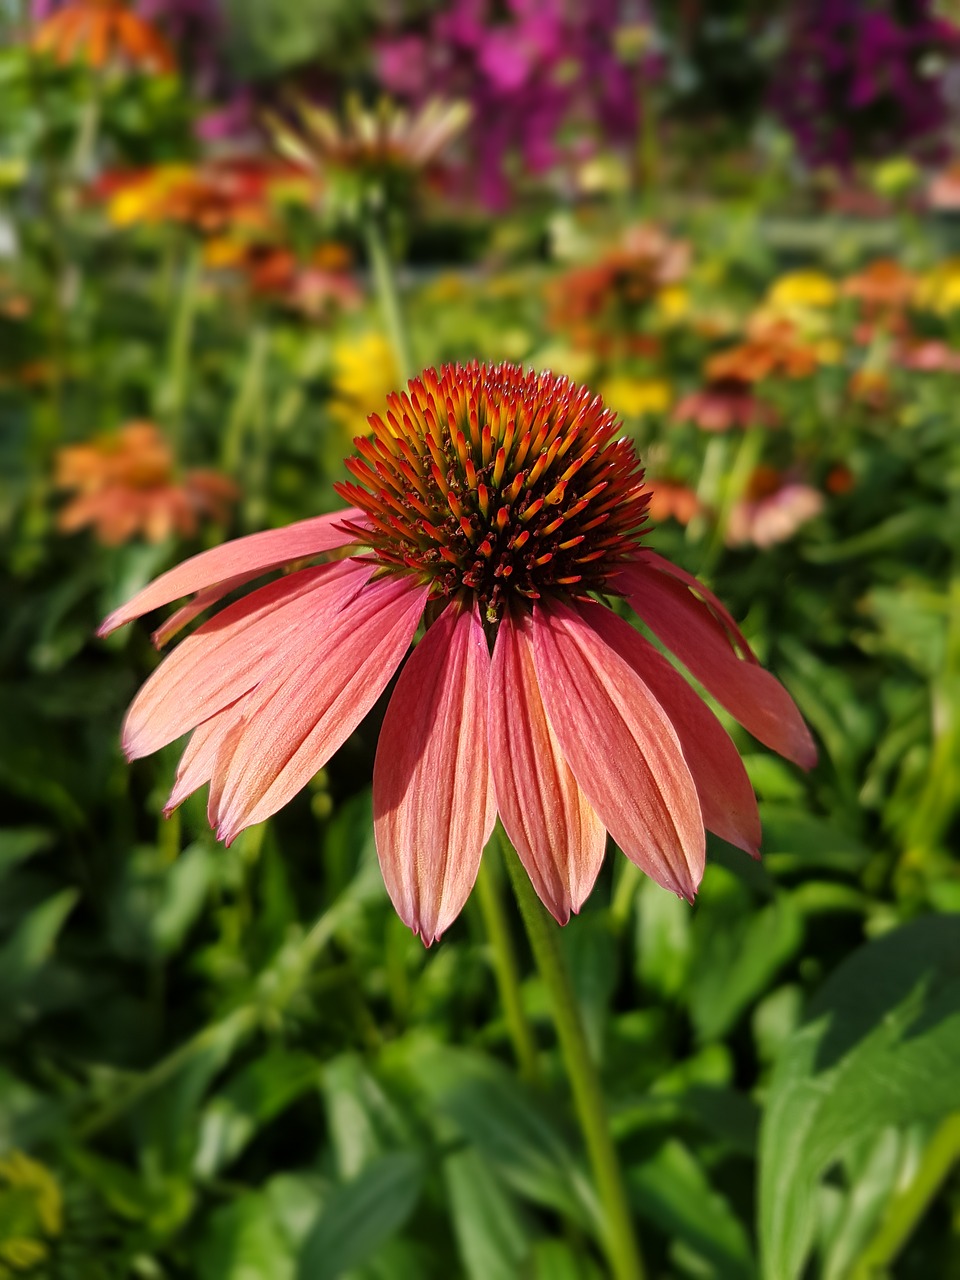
{"x": 591, "y": 302}
{"x": 102, "y": 32}
{"x": 670, "y": 500}
{"x": 871, "y": 388}
{"x": 884, "y": 283}
{"x": 126, "y": 484}
{"x": 770, "y": 350}
{"x": 211, "y": 197}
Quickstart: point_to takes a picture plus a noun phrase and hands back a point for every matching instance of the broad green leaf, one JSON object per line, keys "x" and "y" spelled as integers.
{"x": 663, "y": 940}
{"x": 243, "y": 1241}
{"x": 490, "y": 1230}
{"x": 795, "y": 842}
{"x": 511, "y": 1127}
{"x": 157, "y": 901}
{"x": 737, "y": 950}
{"x": 360, "y": 1215}
{"x": 591, "y": 954}
{"x": 673, "y": 1191}
{"x": 25, "y": 953}
{"x": 19, "y": 843}
{"x": 879, "y": 1047}
{"x": 365, "y": 1121}
{"x": 556, "y": 1260}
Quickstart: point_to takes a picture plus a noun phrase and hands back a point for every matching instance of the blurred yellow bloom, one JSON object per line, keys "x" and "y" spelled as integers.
{"x": 802, "y": 289}
{"x": 633, "y": 397}
{"x": 146, "y": 198}
{"x": 939, "y": 290}
{"x": 364, "y": 373}
{"x": 575, "y": 363}
{"x": 829, "y": 351}
{"x": 31, "y": 1211}
{"x": 449, "y": 286}
{"x": 672, "y": 303}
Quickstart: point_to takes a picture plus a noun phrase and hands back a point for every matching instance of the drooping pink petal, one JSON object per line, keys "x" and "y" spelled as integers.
{"x": 234, "y": 651}
{"x": 238, "y": 559}
{"x": 558, "y": 836}
{"x": 200, "y": 755}
{"x": 710, "y": 601}
{"x": 433, "y": 802}
{"x": 690, "y": 630}
{"x": 621, "y": 748}
{"x": 727, "y": 800}
{"x": 296, "y": 719}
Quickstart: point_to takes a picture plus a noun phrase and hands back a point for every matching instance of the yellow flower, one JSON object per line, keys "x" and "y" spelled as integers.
{"x": 939, "y": 290}
{"x": 364, "y": 373}
{"x": 31, "y": 1211}
{"x": 633, "y": 397}
{"x": 575, "y": 363}
{"x": 802, "y": 289}
{"x": 672, "y": 303}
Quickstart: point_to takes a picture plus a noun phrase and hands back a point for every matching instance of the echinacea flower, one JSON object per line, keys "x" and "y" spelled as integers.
{"x": 126, "y": 484}
{"x": 102, "y": 33}
{"x": 724, "y": 403}
{"x": 500, "y": 508}
{"x": 773, "y": 508}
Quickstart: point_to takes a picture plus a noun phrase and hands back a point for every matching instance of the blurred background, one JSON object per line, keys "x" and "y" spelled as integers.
{"x": 227, "y": 230}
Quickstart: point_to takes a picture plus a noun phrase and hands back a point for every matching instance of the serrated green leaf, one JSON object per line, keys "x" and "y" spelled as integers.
{"x": 879, "y": 1048}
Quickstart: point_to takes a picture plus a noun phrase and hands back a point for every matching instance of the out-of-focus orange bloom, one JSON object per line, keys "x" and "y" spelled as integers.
{"x": 724, "y": 403}
{"x": 101, "y": 33}
{"x": 840, "y": 479}
{"x": 772, "y": 509}
{"x": 321, "y": 286}
{"x": 126, "y": 484}
{"x": 213, "y": 197}
{"x": 605, "y": 297}
{"x": 670, "y": 500}
{"x": 881, "y": 284}
{"x": 768, "y": 351}
{"x": 871, "y": 388}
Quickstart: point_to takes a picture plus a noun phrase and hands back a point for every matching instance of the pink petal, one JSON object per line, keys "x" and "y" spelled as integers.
{"x": 295, "y": 720}
{"x": 233, "y": 652}
{"x": 239, "y": 559}
{"x": 433, "y": 803}
{"x": 711, "y": 601}
{"x": 621, "y": 747}
{"x": 198, "y": 760}
{"x": 549, "y": 820}
{"x": 689, "y": 628}
{"x": 726, "y": 797}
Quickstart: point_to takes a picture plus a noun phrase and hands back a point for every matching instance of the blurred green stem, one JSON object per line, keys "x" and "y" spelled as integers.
{"x": 732, "y": 488}
{"x": 385, "y": 283}
{"x": 908, "y": 1207}
{"x": 505, "y": 966}
{"x": 173, "y": 396}
{"x": 620, "y": 1240}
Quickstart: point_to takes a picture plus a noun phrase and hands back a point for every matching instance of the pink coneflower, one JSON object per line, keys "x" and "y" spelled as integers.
{"x": 773, "y": 509}
{"x": 724, "y": 403}
{"x": 499, "y": 508}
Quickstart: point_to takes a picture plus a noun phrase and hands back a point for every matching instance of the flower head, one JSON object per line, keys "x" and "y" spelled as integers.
{"x": 501, "y": 508}
{"x": 724, "y": 403}
{"x": 126, "y": 485}
{"x": 772, "y": 510}
{"x": 101, "y": 33}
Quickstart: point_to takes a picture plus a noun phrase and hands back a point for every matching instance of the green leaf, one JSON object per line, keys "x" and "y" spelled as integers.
{"x": 556, "y": 1260}
{"x": 19, "y": 843}
{"x": 29, "y": 948}
{"x": 663, "y": 940}
{"x": 243, "y": 1241}
{"x": 491, "y": 1234}
{"x": 361, "y": 1215}
{"x": 673, "y": 1191}
{"x": 880, "y": 1047}
{"x": 260, "y": 1091}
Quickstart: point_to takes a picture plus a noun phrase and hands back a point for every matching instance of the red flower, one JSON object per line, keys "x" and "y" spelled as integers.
{"x": 499, "y": 507}
{"x": 103, "y": 31}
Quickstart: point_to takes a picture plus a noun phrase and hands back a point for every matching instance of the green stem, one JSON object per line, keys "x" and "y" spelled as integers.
{"x": 906, "y": 1209}
{"x": 732, "y": 489}
{"x": 505, "y": 967}
{"x": 385, "y": 283}
{"x": 620, "y": 1243}
{"x": 173, "y": 394}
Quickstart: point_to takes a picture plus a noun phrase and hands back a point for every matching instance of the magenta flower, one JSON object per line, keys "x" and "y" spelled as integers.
{"x": 500, "y": 508}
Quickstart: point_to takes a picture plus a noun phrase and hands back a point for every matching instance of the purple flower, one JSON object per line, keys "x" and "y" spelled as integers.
{"x": 859, "y": 79}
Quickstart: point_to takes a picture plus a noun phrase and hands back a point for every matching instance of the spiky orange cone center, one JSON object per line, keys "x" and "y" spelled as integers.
{"x": 505, "y": 484}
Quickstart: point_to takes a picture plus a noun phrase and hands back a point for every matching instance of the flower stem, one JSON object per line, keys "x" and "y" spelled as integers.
{"x": 505, "y": 968}
{"x": 173, "y": 393}
{"x": 385, "y": 283}
{"x": 906, "y": 1209}
{"x": 621, "y": 1244}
